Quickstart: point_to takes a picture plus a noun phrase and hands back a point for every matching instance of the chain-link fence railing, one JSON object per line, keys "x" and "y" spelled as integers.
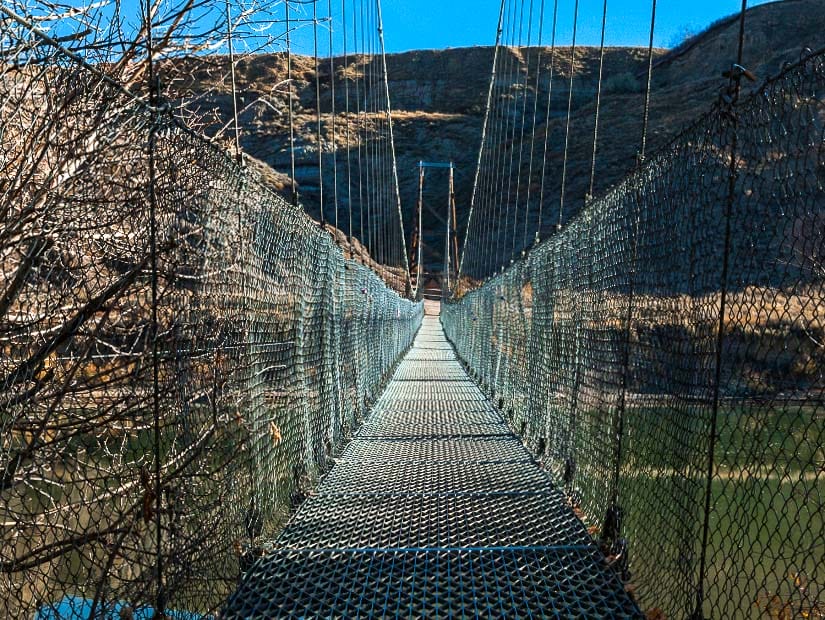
{"x": 181, "y": 351}
{"x": 665, "y": 356}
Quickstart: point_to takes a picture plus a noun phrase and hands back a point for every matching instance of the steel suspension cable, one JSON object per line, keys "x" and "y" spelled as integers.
{"x": 230, "y": 43}
{"x": 383, "y": 168}
{"x": 735, "y": 87}
{"x": 648, "y": 85}
{"x": 613, "y": 516}
{"x": 319, "y": 136}
{"x": 402, "y": 245}
{"x": 512, "y": 108}
{"x": 598, "y": 107}
{"x": 486, "y": 206}
{"x": 420, "y": 226}
{"x": 481, "y": 151}
{"x": 523, "y": 125}
{"x": 348, "y": 122}
{"x": 533, "y": 131}
{"x": 495, "y": 178}
{"x": 547, "y": 120}
{"x": 332, "y": 116}
{"x": 489, "y": 222}
{"x": 502, "y": 204}
{"x": 380, "y": 205}
{"x": 486, "y": 223}
{"x": 290, "y": 105}
{"x": 500, "y": 211}
{"x": 367, "y": 141}
{"x": 364, "y": 128}
{"x": 380, "y": 172}
{"x": 360, "y": 124}
{"x": 374, "y": 142}
{"x": 569, "y": 115}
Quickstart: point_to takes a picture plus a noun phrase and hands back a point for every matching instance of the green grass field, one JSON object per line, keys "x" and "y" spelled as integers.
{"x": 766, "y": 536}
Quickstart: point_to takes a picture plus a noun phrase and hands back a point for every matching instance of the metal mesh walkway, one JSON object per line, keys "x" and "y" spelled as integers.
{"x": 435, "y": 509}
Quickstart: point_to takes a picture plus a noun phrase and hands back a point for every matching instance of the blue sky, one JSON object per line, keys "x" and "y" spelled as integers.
{"x": 439, "y": 24}
{"x": 411, "y": 24}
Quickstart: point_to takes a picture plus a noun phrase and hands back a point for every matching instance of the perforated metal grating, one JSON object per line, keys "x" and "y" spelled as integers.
{"x": 424, "y": 521}
{"x": 471, "y": 450}
{"x": 393, "y": 477}
{"x": 488, "y": 583}
{"x": 436, "y": 417}
{"x": 415, "y": 429}
{"x": 436, "y": 509}
{"x": 432, "y": 371}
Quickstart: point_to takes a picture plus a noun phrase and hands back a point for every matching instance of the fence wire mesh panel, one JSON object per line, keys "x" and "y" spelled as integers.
{"x": 664, "y": 355}
{"x": 182, "y": 351}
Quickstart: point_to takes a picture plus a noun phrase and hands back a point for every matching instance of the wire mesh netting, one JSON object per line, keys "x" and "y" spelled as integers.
{"x": 664, "y": 355}
{"x": 182, "y": 351}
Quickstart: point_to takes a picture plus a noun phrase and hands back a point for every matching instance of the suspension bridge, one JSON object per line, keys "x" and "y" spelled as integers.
{"x": 434, "y": 509}
{"x": 224, "y": 395}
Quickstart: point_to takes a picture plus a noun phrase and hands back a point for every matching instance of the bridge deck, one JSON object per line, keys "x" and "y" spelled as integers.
{"x": 434, "y": 509}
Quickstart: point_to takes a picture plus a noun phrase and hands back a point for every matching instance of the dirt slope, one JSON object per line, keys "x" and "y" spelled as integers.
{"x": 439, "y": 96}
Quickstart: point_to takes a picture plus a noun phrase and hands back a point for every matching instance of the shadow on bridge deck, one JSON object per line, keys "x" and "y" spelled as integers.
{"x": 435, "y": 509}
